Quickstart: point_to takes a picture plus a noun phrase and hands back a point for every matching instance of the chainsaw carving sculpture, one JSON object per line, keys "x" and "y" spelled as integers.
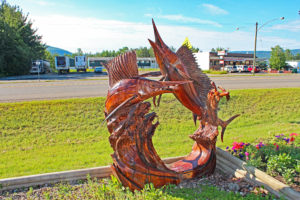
{"x": 135, "y": 161}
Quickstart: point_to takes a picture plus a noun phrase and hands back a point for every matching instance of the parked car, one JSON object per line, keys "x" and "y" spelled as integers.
{"x": 98, "y": 69}
{"x": 256, "y": 69}
{"x": 242, "y": 68}
{"x": 230, "y": 69}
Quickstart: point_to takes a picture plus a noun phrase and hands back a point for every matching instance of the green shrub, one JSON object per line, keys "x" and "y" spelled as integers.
{"x": 214, "y": 72}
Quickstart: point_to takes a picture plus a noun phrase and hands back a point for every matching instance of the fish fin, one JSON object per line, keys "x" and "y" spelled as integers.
{"x": 195, "y": 118}
{"x": 201, "y": 80}
{"x": 118, "y": 107}
{"x": 122, "y": 67}
{"x": 225, "y": 124}
{"x": 158, "y": 100}
{"x": 154, "y": 101}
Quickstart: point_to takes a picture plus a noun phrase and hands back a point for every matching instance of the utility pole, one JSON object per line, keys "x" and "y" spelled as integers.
{"x": 254, "y": 56}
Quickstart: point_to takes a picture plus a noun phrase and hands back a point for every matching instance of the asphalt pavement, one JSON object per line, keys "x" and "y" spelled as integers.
{"x": 80, "y": 85}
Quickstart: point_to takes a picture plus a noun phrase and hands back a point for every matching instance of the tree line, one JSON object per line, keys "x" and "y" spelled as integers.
{"x": 279, "y": 57}
{"x": 144, "y": 52}
{"x": 19, "y": 43}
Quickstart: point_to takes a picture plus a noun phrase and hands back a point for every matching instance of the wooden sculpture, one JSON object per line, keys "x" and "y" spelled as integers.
{"x": 135, "y": 161}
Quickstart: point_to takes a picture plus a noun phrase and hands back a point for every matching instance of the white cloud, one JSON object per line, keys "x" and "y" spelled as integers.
{"x": 148, "y": 15}
{"x": 182, "y": 18}
{"x": 45, "y": 3}
{"x": 214, "y": 10}
{"x": 293, "y": 26}
{"x": 94, "y": 35}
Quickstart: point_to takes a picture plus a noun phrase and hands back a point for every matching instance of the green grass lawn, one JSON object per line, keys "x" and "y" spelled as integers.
{"x": 55, "y": 135}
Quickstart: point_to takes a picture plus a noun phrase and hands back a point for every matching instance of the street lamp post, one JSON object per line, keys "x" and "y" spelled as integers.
{"x": 255, "y": 39}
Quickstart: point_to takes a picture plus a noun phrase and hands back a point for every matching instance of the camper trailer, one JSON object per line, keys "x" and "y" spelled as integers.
{"x": 80, "y": 63}
{"x": 63, "y": 64}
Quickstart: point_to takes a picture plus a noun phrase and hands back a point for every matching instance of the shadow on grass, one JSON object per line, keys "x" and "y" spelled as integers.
{"x": 294, "y": 122}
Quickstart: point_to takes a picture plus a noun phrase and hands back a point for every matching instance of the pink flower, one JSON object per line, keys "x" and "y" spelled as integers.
{"x": 247, "y": 155}
{"x": 294, "y": 134}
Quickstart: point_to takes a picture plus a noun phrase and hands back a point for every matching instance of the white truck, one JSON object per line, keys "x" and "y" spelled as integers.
{"x": 63, "y": 64}
{"x": 40, "y": 67}
{"x": 80, "y": 63}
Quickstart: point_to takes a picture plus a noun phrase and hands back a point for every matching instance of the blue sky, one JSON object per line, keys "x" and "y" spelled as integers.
{"x": 95, "y": 25}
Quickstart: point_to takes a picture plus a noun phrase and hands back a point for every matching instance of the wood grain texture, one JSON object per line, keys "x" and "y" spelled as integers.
{"x": 131, "y": 126}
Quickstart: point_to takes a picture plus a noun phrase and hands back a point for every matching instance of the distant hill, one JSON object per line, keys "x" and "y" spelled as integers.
{"x": 264, "y": 54}
{"x": 55, "y": 50}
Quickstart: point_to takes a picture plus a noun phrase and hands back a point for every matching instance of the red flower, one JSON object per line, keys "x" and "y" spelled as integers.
{"x": 277, "y": 147}
{"x": 238, "y": 145}
{"x": 257, "y": 146}
{"x": 292, "y": 139}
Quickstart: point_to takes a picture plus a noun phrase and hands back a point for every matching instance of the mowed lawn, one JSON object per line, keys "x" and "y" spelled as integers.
{"x": 55, "y": 135}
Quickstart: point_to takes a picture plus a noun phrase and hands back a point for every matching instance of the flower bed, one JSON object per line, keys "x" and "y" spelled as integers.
{"x": 278, "y": 156}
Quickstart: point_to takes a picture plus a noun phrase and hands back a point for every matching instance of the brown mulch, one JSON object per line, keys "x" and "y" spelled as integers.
{"x": 294, "y": 186}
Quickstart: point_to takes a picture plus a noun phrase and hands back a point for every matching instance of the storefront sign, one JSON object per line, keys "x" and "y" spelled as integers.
{"x": 235, "y": 59}
{"x": 222, "y": 53}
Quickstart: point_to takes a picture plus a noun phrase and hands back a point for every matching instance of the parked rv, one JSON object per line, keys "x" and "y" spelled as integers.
{"x": 62, "y": 64}
{"x": 80, "y": 63}
{"x": 40, "y": 67}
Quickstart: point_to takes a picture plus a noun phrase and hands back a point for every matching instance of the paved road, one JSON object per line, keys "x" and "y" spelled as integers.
{"x": 27, "y": 90}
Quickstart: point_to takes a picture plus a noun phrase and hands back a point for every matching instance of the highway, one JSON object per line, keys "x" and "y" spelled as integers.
{"x": 16, "y": 90}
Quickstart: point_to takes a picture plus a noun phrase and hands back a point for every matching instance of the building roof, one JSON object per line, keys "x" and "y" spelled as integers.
{"x": 243, "y": 55}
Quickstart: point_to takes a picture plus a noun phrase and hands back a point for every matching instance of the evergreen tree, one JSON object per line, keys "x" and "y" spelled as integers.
{"x": 277, "y": 59}
{"x": 297, "y": 57}
{"x": 217, "y": 49}
{"x": 19, "y": 43}
{"x": 189, "y": 45}
{"x": 288, "y": 54}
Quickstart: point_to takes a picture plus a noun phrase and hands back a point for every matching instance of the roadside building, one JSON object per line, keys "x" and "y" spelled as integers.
{"x": 218, "y": 60}
{"x": 294, "y": 64}
{"x": 147, "y": 63}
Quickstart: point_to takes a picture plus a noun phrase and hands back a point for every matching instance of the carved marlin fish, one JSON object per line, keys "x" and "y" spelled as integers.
{"x": 127, "y": 88}
{"x": 182, "y": 66}
{"x": 200, "y": 95}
